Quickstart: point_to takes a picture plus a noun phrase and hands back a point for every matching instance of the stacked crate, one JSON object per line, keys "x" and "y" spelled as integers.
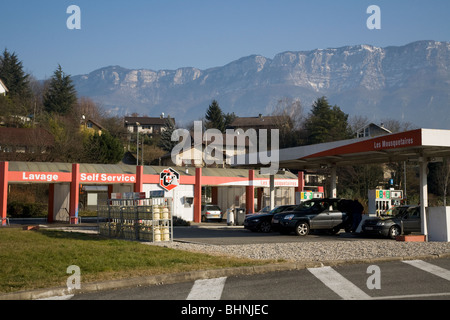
{"x": 138, "y": 219}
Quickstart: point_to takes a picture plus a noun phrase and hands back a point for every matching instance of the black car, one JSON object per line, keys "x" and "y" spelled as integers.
{"x": 397, "y": 221}
{"x": 317, "y": 214}
{"x": 261, "y": 222}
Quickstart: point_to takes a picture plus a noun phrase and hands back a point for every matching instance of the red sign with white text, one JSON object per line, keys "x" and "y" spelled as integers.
{"x": 107, "y": 178}
{"x": 393, "y": 141}
{"x": 58, "y": 177}
{"x": 48, "y": 177}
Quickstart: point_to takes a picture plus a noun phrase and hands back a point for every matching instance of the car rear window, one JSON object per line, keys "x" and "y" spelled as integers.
{"x": 213, "y": 208}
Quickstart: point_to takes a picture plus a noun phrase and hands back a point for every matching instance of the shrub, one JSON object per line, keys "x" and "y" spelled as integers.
{"x": 18, "y": 209}
{"x": 177, "y": 221}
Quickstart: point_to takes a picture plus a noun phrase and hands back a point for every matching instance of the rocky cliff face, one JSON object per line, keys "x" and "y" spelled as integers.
{"x": 408, "y": 83}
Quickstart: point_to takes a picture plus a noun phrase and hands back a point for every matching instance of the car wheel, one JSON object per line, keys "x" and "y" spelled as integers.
{"x": 203, "y": 219}
{"x": 394, "y": 231}
{"x": 302, "y": 229}
{"x": 265, "y": 227}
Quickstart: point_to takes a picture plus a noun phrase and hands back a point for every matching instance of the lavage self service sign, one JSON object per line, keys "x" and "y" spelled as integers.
{"x": 107, "y": 177}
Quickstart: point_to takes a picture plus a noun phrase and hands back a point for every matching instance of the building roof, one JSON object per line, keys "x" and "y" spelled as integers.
{"x": 260, "y": 121}
{"x": 427, "y": 144}
{"x": 26, "y": 137}
{"x": 98, "y": 125}
{"x": 147, "y": 120}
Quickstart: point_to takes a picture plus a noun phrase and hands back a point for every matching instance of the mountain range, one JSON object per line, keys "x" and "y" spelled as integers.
{"x": 409, "y": 83}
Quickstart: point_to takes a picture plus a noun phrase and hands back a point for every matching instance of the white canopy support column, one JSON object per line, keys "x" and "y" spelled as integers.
{"x": 423, "y": 166}
{"x": 272, "y": 192}
{"x": 333, "y": 190}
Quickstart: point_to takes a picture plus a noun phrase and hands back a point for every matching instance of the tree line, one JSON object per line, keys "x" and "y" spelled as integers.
{"x": 53, "y": 105}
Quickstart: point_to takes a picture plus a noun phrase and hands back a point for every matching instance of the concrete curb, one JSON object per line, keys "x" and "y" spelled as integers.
{"x": 197, "y": 275}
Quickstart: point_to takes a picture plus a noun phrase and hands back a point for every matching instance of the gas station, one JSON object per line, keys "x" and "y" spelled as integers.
{"x": 421, "y": 146}
{"x": 238, "y": 186}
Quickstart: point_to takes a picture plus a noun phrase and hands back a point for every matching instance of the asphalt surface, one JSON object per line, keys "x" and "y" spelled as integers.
{"x": 394, "y": 283}
{"x": 221, "y": 234}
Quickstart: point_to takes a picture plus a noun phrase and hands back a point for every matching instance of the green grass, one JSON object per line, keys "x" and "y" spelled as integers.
{"x": 39, "y": 259}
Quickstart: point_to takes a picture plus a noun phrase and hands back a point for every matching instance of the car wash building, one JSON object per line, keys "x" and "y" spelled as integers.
{"x": 240, "y": 188}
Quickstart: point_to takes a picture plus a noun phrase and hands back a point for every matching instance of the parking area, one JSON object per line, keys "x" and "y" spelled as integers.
{"x": 221, "y": 234}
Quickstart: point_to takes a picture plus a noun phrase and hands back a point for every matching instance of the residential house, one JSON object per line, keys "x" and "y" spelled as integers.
{"x": 91, "y": 126}
{"x": 3, "y": 88}
{"x": 150, "y": 126}
{"x": 220, "y": 154}
{"x": 372, "y": 130}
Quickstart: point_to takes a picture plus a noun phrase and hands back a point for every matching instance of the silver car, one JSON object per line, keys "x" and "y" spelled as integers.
{"x": 211, "y": 212}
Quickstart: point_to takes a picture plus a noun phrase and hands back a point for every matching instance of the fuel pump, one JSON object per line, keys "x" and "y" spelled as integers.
{"x": 382, "y": 200}
{"x": 307, "y": 195}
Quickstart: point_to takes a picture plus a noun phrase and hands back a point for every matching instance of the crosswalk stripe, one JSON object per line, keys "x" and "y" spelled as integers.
{"x": 65, "y": 297}
{"x": 340, "y": 285}
{"x": 431, "y": 268}
{"x": 208, "y": 289}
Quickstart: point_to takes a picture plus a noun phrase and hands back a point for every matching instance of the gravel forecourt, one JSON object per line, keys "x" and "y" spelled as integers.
{"x": 319, "y": 251}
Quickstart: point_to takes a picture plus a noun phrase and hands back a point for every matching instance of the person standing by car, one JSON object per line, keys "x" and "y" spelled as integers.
{"x": 357, "y": 212}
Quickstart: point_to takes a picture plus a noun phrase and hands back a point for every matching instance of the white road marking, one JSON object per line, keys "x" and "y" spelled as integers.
{"x": 209, "y": 289}
{"x": 340, "y": 285}
{"x": 65, "y": 297}
{"x": 412, "y": 296}
{"x": 431, "y": 268}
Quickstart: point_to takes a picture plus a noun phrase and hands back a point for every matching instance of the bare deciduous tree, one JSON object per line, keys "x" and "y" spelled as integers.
{"x": 290, "y": 120}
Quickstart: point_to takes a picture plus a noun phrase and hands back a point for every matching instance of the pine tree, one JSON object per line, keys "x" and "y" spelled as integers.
{"x": 166, "y": 142}
{"x": 104, "y": 149}
{"x": 326, "y": 123}
{"x": 61, "y": 95}
{"x": 13, "y": 76}
{"x": 215, "y": 117}
{"x": 228, "y": 119}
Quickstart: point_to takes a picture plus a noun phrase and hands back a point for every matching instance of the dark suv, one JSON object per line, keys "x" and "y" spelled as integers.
{"x": 317, "y": 214}
{"x": 261, "y": 222}
{"x": 397, "y": 221}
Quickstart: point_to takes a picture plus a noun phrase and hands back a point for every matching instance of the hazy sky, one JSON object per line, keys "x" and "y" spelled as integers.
{"x": 169, "y": 34}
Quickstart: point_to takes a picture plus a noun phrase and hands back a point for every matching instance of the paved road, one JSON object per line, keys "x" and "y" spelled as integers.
{"x": 218, "y": 234}
{"x": 424, "y": 280}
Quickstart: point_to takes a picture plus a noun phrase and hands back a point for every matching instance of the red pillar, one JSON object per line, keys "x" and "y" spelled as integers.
{"x": 110, "y": 190}
{"x": 301, "y": 182}
{"x": 74, "y": 194}
{"x": 3, "y": 191}
{"x": 139, "y": 186}
{"x": 215, "y": 195}
{"x": 260, "y": 192}
{"x": 51, "y": 202}
{"x": 250, "y": 193}
{"x": 198, "y": 195}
